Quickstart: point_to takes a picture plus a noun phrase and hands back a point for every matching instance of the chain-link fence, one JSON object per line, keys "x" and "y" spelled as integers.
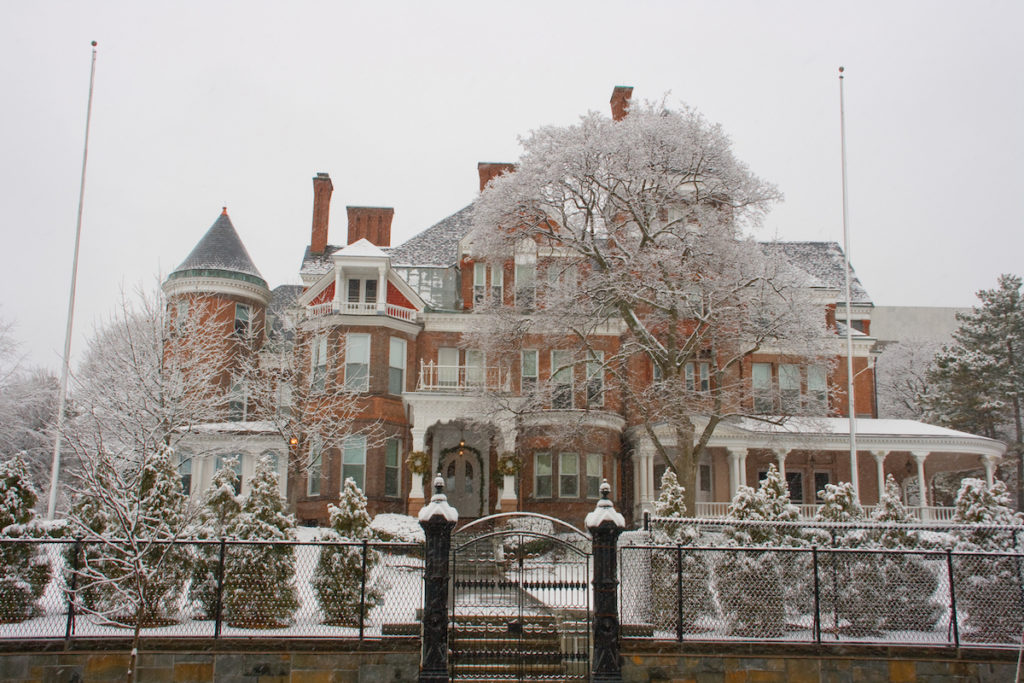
{"x": 812, "y": 594}
{"x": 63, "y": 588}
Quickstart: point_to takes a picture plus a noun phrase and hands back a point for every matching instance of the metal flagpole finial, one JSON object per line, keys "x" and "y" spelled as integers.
{"x": 841, "y": 70}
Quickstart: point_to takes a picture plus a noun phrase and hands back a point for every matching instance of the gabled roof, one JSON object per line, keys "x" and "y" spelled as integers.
{"x": 436, "y": 246}
{"x": 220, "y": 249}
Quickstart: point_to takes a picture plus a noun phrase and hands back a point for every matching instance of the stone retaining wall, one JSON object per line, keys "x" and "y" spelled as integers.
{"x": 677, "y": 663}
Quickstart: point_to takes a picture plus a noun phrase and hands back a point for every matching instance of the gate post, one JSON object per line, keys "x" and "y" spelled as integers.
{"x": 438, "y": 519}
{"x": 605, "y": 524}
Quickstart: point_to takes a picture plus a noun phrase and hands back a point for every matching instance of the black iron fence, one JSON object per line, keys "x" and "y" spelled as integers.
{"x": 822, "y": 595}
{"x": 63, "y": 588}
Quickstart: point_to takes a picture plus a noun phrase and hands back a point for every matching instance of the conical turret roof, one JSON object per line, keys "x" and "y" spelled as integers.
{"x": 220, "y": 252}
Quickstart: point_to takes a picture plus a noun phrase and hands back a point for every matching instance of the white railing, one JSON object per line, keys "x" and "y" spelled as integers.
{"x": 434, "y": 377}
{"x": 358, "y": 308}
{"x": 927, "y": 514}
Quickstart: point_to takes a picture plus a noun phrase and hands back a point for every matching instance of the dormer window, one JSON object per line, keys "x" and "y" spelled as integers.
{"x": 362, "y": 291}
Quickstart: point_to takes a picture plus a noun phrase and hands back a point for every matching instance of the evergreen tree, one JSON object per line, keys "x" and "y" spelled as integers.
{"x": 339, "y": 582}
{"x": 259, "y": 579}
{"x": 218, "y": 514}
{"x": 977, "y": 383}
{"x": 988, "y": 587}
{"x": 130, "y": 572}
{"x": 675, "y": 569}
{"x": 24, "y": 568}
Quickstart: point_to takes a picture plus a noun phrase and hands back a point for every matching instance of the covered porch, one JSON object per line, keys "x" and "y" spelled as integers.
{"x": 811, "y": 452}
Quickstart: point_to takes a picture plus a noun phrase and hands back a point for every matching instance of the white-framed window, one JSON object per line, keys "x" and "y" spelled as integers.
{"x": 285, "y": 402}
{"x": 448, "y": 366}
{"x": 542, "y": 475}
{"x": 704, "y": 478}
{"x": 396, "y": 366}
{"x": 474, "y": 368}
{"x": 595, "y": 379}
{"x": 698, "y": 376}
{"x": 526, "y": 285}
{"x": 180, "y": 316}
{"x": 595, "y": 473}
{"x": 362, "y": 291}
{"x": 357, "y": 362}
{"x": 497, "y": 283}
{"x": 392, "y": 470}
{"x": 479, "y": 282}
{"x": 185, "y": 472}
{"x": 817, "y": 390}
{"x": 528, "y": 370}
{"x": 353, "y": 460}
{"x": 561, "y": 378}
{"x": 243, "y": 319}
{"x": 315, "y": 467}
{"x": 789, "y": 387}
{"x": 568, "y": 475}
{"x": 238, "y": 400}
{"x": 318, "y": 363}
{"x": 704, "y": 377}
{"x": 235, "y": 462}
{"x": 761, "y": 377}
{"x": 274, "y": 460}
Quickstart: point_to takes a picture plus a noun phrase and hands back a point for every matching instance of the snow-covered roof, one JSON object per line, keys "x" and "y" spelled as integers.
{"x": 841, "y": 425}
{"x": 361, "y": 247}
{"x": 242, "y": 427}
{"x": 436, "y": 246}
{"x": 823, "y": 260}
{"x": 220, "y": 249}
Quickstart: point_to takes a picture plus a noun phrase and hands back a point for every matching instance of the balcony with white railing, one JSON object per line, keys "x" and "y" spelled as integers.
{"x": 459, "y": 378}
{"x": 926, "y": 514}
{"x": 359, "y": 308}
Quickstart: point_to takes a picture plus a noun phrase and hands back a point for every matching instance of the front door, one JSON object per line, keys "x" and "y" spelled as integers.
{"x": 463, "y": 481}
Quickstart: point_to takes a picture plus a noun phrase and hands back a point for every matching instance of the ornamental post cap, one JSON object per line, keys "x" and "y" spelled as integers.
{"x": 438, "y": 484}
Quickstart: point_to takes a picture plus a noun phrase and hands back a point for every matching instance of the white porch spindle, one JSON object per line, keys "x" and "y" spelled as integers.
{"x": 382, "y": 289}
{"x": 737, "y": 465}
{"x": 339, "y": 281}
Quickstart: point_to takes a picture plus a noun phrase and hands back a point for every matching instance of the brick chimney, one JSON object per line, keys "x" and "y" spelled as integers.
{"x": 322, "y": 189}
{"x": 371, "y": 222}
{"x": 489, "y": 170}
{"x": 620, "y": 101}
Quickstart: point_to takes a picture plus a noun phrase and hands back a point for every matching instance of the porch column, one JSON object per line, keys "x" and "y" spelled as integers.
{"x": 780, "y": 455}
{"x": 415, "y": 502}
{"x": 919, "y": 458}
{"x": 880, "y": 471}
{"x": 737, "y": 464}
{"x": 989, "y": 463}
{"x": 339, "y": 280}
{"x": 643, "y": 475}
{"x": 382, "y": 289}
{"x": 507, "y": 501}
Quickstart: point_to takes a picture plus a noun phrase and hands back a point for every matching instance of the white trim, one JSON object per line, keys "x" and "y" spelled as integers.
{"x": 215, "y": 285}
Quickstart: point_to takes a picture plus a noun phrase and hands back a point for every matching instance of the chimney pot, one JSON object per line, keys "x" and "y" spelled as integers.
{"x": 620, "y": 101}
{"x": 322, "y": 189}
{"x": 489, "y": 170}
{"x": 370, "y": 222}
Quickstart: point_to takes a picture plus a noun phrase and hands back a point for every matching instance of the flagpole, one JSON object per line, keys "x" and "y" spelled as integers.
{"x": 849, "y": 320}
{"x": 51, "y": 508}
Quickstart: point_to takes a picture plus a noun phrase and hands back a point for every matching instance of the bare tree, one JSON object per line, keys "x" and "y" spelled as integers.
{"x": 901, "y": 378}
{"x": 643, "y": 273}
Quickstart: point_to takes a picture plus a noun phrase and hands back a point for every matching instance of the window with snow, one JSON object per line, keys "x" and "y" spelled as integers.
{"x": 243, "y": 320}
{"x": 353, "y": 460}
{"x": 318, "y": 363}
{"x": 595, "y": 379}
{"x": 526, "y": 285}
{"x": 315, "y": 467}
{"x": 761, "y": 377}
{"x": 396, "y": 365}
{"x": 528, "y": 370}
{"x": 561, "y": 379}
{"x": 542, "y": 475}
{"x": 568, "y": 475}
{"x": 595, "y": 471}
{"x": 392, "y": 458}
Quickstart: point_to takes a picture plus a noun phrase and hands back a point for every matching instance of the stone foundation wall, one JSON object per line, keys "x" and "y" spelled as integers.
{"x": 379, "y": 666}
{"x": 796, "y": 664}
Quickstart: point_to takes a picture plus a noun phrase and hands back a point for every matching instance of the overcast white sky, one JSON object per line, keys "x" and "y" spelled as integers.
{"x": 204, "y": 104}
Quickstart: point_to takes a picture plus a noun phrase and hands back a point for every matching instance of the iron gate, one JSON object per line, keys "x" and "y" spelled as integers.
{"x": 520, "y": 604}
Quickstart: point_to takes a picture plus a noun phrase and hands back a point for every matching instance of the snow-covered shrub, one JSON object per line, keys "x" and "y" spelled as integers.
{"x": 909, "y": 582}
{"x": 129, "y": 572}
{"x": 849, "y": 588}
{"x": 219, "y": 512}
{"x": 259, "y": 579}
{"x": 750, "y": 583}
{"x": 670, "y": 566}
{"x": 339, "y": 580}
{"x": 24, "y": 568}
{"x": 987, "y": 587}
{"x": 393, "y": 528}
